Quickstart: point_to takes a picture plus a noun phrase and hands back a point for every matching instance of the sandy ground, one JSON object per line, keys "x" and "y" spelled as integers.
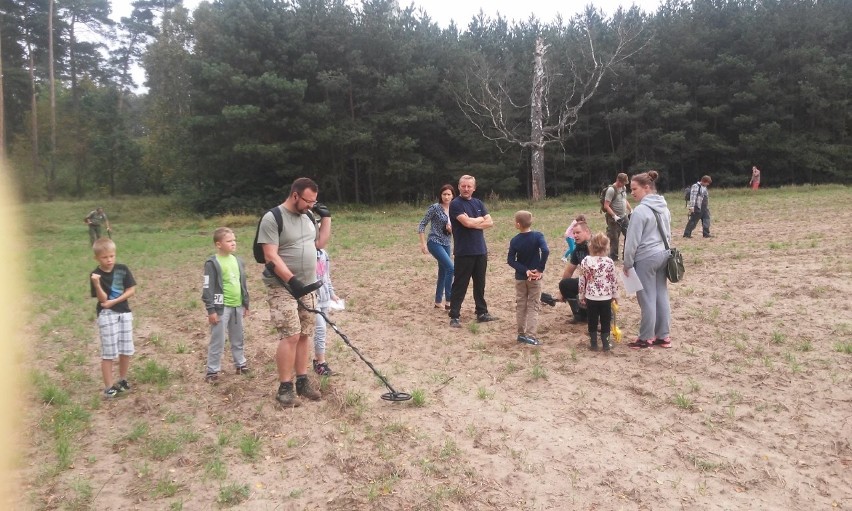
{"x": 750, "y": 409}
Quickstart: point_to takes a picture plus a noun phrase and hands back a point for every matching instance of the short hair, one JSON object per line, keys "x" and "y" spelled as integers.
{"x": 523, "y": 218}
{"x": 622, "y": 178}
{"x": 446, "y": 187}
{"x": 467, "y": 177}
{"x": 647, "y": 179}
{"x": 583, "y": 226}
{"x": 302, "y": 184}
{"x": 220, "y": 233}
{"x": 103, "y": 245}
{"x": 599, "y": 244}
{"x": 706, "y": 179}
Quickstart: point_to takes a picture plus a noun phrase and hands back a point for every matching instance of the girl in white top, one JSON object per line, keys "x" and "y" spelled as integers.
{"x": 598, "y": 289}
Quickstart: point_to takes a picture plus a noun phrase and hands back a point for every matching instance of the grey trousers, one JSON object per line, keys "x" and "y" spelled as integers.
{"x": 654, "y": 297}
{"x": 320, "y": 333}
{"x": 231, "y": 320}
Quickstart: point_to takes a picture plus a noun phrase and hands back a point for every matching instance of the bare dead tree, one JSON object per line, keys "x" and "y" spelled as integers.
{"x": 486, "y": 101}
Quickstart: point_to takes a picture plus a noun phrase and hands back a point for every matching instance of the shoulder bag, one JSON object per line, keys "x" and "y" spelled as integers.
{"x": 674, "y": 266}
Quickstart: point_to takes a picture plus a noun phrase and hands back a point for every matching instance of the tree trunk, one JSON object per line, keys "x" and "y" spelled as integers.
{"x": 51, "y": 180}
{"x": 536, "y": 122}
{"x": 33, "y": 114}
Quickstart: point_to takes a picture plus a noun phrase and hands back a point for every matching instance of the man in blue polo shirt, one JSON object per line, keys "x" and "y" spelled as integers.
{"x": 469, "y": 218}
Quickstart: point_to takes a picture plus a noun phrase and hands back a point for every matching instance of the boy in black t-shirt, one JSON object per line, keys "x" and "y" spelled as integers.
{"x": 112, "y": 284}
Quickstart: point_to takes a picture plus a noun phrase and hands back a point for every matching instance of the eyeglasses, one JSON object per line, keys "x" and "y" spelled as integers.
{"x": 308, "y": 202}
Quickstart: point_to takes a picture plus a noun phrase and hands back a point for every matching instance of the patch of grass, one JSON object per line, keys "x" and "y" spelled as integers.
{"x": 51, "y": 394}
{"x": 250, "y": 446}
{"x": 165, "y": 488}
{"x": 161, "y": 447}
{"x": 152, "y": 373}
{"x": 81, "y": 499}
{"x": 805, "y": 346}
{"x": 418, "y": 398}
{"x": 473, "y": 327}
{"x": 843, "y": 347}
{"x": 538, "y": 372}
{"x": 694, "y": 386}
{"x": 778, "y": 338}
{"x": 216, "y": 468}
{"x": 449, "y": 449}
{"x": 355, "y": 402}
{"x": 181, "y": 348}
{"x": 683, "y": 402}
{"x": 511, "y": 367}
{"x": 139, "y": 430}
{"x": 483, "y": 393}
{"x": 233, "y": 494}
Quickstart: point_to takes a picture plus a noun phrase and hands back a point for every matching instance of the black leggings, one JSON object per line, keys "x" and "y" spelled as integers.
{"x": 599, "y": 309}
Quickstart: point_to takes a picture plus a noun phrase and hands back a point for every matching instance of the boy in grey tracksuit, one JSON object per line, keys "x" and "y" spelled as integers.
{"x": 226, "y": 300}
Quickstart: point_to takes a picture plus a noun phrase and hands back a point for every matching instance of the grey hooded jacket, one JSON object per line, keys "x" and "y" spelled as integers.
{"x": 643, "y": 238}
{"x": 211, "y": 291}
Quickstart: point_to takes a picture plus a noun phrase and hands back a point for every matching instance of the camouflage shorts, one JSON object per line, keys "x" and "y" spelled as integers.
{"x": 289, "y": 319}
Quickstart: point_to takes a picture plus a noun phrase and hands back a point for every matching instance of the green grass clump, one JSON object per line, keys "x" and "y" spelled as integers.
{"x": 152, "y": 373}
{"x": 233, "y": 494}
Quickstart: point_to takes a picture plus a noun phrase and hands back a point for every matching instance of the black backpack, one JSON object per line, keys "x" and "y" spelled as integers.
{"x": 603, "y": 197}
{"x": 257, "y": 247}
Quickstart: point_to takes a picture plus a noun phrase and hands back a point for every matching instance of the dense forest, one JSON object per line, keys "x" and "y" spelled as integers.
{"x": 380, "y": 104}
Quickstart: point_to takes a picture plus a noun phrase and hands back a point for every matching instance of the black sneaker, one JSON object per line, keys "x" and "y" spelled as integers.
{"x": 243, "y": 369}
{"x": 526, "y": 339}
{"x": 455, "y": 323}
{"x": 111, "y": 392}
{"x": 123, "y": 386}
{"x": 485, "y": 318}
{"x": 548, "y": 299}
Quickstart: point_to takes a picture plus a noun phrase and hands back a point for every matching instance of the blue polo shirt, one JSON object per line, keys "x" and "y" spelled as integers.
{"x": 466, "y": 241}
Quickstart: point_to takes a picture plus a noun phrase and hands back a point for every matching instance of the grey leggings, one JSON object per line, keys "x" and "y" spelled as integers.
{"x": 320, "y": 332}
{"x": 654, "y": 297}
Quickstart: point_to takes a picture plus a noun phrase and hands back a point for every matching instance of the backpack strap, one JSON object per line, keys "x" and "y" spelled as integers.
{"x": 660, "y": 227}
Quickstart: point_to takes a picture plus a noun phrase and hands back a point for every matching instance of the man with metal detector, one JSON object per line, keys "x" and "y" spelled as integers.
{"x": 616, "y": 209}
{"x": 290, "y": 249}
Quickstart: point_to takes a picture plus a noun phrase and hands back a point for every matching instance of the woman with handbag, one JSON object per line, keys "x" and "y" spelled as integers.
{"x": 646, "y": 252}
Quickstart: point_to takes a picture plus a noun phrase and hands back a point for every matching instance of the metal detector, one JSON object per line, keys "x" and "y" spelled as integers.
{"x": 393, "y": 395}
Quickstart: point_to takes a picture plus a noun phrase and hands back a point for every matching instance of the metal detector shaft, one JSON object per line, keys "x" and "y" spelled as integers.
{"x": 346, "y": 340}
{"x": 393, "y": 395}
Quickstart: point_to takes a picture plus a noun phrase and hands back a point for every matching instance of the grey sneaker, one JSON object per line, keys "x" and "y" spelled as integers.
{"x": 304, "y": 389}
{"x": 455, "y": 323}
{"x": 485, "y": 318}
{"x": 211, "y": 378}
{"x": 287, "y": 396}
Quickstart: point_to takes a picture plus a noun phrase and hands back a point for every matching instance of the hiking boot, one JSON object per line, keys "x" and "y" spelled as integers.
{"x": 123, "y": 386}
{"x": 243, "y": 369}
{"x": 639, "y": 344}
{"x": 211, "y": 378}
{"x": 526, "y": 339}
{"x": 485, "y": 318}
{"x": 593, "y": 341}
{"x": 111, "y": 392}
{"x": 286, "y": 396}
{"x": 605, "y": 342}
{"x": 322, "y": 369}
{"x": 663, "y": 343}
{"x": 455, "y": 323}
{"x": 304, "y": 389}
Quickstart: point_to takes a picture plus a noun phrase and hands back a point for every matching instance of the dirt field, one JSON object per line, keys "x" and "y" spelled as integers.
{"x": 751, "y": 409}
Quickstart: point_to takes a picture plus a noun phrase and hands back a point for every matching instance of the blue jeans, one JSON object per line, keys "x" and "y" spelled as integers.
{"x": 445, "y": 270}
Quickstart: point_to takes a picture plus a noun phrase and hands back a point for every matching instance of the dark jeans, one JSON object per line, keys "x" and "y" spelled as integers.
{"x": 599, "y": 310}
{"x": 569, "y": 288}
{"x": 468, "y": 267}
{"x": 704, "y": 215}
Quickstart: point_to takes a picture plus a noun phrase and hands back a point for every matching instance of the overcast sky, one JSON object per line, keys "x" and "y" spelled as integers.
{"x": 461, "y": 11}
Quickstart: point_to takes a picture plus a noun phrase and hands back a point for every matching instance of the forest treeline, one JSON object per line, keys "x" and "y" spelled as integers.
{"x": 242, "y": 96}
